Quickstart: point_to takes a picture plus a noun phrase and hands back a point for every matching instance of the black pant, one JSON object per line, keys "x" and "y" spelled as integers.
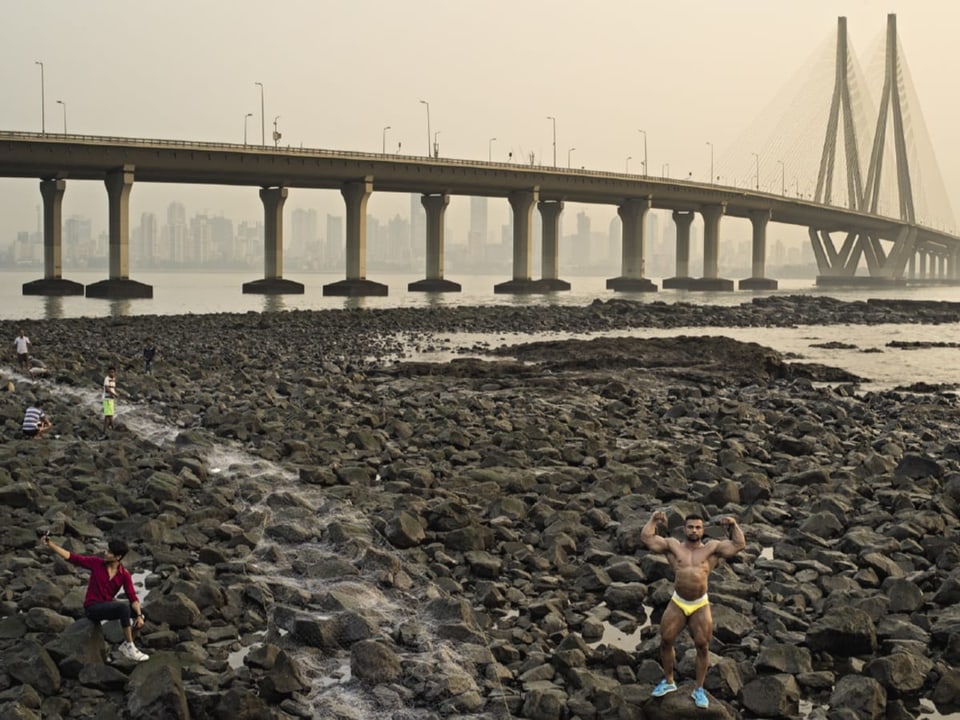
{"x": 115, "y": 610}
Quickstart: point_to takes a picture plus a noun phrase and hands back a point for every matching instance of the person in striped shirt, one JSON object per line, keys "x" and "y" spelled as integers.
{"x": 35, "y": 421}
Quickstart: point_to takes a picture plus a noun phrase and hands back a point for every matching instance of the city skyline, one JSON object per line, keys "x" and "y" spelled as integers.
{"x": 177, "y": 238}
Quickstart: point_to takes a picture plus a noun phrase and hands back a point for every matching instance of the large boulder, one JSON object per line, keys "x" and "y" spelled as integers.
{"x": 900, "y": 672}
{"x": 772, "y": 696}
{"x": 863, "y": 695}
{"x": 844, "y": 631}
{"x": 156, "y": 690}
{"x": 373, "y": 662}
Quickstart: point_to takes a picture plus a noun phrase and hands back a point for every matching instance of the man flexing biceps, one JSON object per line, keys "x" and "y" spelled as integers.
{"x": 692, "y": 561}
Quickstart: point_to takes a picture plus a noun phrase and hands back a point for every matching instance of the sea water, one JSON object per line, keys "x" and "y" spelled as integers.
{"x": 203, "y": 293}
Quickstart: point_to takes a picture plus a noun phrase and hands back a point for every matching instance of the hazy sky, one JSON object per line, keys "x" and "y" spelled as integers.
{"x": 686, "y": 72}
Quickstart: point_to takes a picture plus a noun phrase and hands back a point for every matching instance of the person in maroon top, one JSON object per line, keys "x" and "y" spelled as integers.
{"x": 107, "y": 577}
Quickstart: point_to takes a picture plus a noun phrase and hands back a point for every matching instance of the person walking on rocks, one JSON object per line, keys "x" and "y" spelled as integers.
{"x": 22, "y": 343}
{"x": 107, "y": 577}
{"x": 109, "y": 396}
{"x": 35, "y": 421}
{"x": 692, "y": 561}
{"x": 149, "y": 353}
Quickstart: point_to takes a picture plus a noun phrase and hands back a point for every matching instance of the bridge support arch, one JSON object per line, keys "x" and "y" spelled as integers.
{"x": 633, "y": 215}
{"x": 521, "y": 202}
{"x": 711, "y": 279}
{"x": 758, "y": 279}
{"x": 119, "y": 183}
{"x": 52, "y": 282}
{"x": 682, "y": 220}
{"x": 435, "y": 207}
{"x": 273, "y": 283}
{"x": 355, "y": 196}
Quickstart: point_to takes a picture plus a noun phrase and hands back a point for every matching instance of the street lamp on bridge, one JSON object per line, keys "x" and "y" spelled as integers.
{"x": 629, "y": 158}
{"x": 424, "y": 102}
{"x": 43, "y": 102}
{"x": 644, "y": 133}
{"x": 245, "y": 118}
{"x": 783, "y": 180}
{"x": 756, "y": 158}
{"x": 711, "y": 159}
{"x": 490, "y": 149}
{"x": 276, "y": 133}
{"x": 568, "y": 157}
{"x": 61, "y": 102}
{"x": 436, "y": 144}
{"x": 383, "y": 148}
{"x": 263, "y": 126}
{"x": 551, "y": 117}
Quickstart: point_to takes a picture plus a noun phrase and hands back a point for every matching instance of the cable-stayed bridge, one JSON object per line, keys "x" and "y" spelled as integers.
{"x": 877, "y": 211}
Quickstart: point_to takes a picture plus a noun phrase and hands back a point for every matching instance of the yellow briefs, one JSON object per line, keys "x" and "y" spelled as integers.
{"x": 689, "y": 607}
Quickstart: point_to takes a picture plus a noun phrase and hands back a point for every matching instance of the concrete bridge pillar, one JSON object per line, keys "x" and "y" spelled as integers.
{"x": 521, "y": 202}
{"x": 435, "y": 207}
{"x": 355, "y": 196}
{"x": 52, "y": 282}
{"x": 711, "y": 279}
{"x": 682, "y": 219}
{"x": 758, "y": 279}
{"x": 119, "y": 183}
{"x": 550, "y": 247}
{"x": 912, "y": 266}
{"x": 273, "y": 199}
{"x": 633, "y": 215}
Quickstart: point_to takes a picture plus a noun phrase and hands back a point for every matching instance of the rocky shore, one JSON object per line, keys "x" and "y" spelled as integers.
{"x": 327, "y": 530}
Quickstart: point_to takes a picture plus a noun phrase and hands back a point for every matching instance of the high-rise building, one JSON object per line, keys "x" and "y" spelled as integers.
{"x": 149, "y": 233}
{"x": 335, "y": 244}
{"x": 477, "y": 236}
{"x": 418, "y": 228}
{"x": 77, "y": 239}
{"x": 579, "y": 253}
{"x": 173, "y": 235}
{"x": 303, "y": 232}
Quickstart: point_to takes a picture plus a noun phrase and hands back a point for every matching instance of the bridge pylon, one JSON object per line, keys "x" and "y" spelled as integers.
{"x": 838, "y": 266}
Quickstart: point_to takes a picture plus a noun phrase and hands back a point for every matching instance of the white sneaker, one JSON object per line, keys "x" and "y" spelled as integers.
{"x": 130, "y": 652}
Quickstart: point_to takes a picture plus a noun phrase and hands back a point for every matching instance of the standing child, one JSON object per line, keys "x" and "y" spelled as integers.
{"x": 109, "y": 396}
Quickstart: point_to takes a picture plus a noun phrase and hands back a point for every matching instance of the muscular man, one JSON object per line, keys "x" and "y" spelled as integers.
{"x": 107, "y": 577}
{"x": 692, "y": 561}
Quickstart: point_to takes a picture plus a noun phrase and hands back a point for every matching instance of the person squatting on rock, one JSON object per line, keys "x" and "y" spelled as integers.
{"x": 107, "y": 577}
{"x": 692, "y": 561}
{"x": 22, "y": 343}
{"x": 35, "y": 421}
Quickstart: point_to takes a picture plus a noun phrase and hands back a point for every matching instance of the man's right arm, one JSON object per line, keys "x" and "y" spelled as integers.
{"x": 62, "y": 552}
{"x": 649, "y": 537}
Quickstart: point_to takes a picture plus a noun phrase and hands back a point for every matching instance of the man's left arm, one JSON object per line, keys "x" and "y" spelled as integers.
{"x": 131, "y": 592}
{"x": 735, "y": 541}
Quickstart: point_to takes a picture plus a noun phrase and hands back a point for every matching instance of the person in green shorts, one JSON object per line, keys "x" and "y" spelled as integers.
{"x": 109, "y": 396}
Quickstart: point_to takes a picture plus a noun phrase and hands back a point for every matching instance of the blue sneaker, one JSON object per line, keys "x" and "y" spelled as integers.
{"x": 664, "y": 687}
{"x": 700, "y": 698}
